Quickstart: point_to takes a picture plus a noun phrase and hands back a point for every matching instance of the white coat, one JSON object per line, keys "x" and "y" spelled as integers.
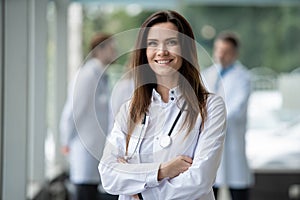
{"x": 121, "y": 93}
{"x": 235, "y": 88}
{"x": 84, "y": 122}
{"x": 140, "y": 174}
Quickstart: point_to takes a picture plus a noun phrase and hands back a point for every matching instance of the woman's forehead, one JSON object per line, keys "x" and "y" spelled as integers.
{"x": 166, "y": 29}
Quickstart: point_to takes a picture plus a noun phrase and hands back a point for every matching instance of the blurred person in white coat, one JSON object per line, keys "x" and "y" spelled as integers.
{"x": 84, "y": 120}
{"x": 122, "y": 91}
{"x": 230, "y": 79}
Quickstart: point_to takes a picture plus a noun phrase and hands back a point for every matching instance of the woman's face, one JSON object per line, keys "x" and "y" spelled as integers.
{"x": 163, "y": 49}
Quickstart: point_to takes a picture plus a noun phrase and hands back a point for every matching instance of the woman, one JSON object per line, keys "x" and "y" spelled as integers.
{"x": 167, "y": 141}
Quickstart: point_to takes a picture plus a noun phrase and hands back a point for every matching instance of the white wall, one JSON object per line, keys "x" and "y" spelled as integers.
{"x": 23, "y": 96}
{"x": 15, "y": 111}
{"x": 1, "y": 91}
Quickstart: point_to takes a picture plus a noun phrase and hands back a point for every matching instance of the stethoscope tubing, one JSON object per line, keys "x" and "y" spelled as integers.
{"x": 165, "y": 141}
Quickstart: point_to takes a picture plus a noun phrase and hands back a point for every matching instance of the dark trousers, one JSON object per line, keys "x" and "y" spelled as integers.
{"x": 85, "y": 192}
{"x": 236, "y": 194}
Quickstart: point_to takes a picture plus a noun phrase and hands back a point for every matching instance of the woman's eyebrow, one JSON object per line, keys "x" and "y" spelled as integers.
{"x": 171, "y": 38}
{"x": 152, "y": 39}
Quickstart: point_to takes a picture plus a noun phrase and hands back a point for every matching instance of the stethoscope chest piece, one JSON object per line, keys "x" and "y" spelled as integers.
{"x": 165, "y": 141}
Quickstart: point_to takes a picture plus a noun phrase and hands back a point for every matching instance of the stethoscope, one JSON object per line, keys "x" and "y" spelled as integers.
{"x": 144, "y": 124}
{"x": 164, "y": 141}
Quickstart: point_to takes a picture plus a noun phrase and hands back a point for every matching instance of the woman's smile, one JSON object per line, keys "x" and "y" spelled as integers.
{"x": 163, "y": 62}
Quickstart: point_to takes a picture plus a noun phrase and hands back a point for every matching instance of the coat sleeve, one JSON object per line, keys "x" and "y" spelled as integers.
{"x": 66, "y": 124}
{"x": 119, "y": 178}
{"x": 237, "y": 101}
{"x": 197, "y": 181}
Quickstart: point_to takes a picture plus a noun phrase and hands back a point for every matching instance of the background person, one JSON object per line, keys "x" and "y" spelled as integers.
{"x": 144, "y": 156}
{"x": 122, "y": 91}
{"x": 229, "y": 78}
{"x": 84, "y": 120}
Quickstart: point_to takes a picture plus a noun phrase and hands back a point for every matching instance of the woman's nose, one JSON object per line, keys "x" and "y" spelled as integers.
{"x": 162, "y": 50}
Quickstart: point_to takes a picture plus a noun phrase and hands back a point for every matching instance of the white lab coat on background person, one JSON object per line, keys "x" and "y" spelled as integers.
{"x": 145, "y": 154}
{"x": 84, "y": 122}
{"x": 234, "y": 86}
{"x": 121, "y": 92}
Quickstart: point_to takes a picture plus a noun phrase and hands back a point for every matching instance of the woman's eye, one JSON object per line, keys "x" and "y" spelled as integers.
{"x": 151, "y": 44}
{"x": 172, "y": 42}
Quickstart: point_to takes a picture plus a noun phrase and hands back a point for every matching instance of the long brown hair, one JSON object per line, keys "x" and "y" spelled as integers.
{"x": 190, "y": 82}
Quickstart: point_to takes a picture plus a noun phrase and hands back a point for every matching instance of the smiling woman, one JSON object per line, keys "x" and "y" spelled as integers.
{"x": 167, "y": 140}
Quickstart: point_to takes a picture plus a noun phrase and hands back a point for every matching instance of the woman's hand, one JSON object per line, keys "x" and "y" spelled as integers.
{"x": 174, "y": 167}
{"x": 135, "y": 196}
{"x": 121, "y": 160}
{"x": 65, "y": 150}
